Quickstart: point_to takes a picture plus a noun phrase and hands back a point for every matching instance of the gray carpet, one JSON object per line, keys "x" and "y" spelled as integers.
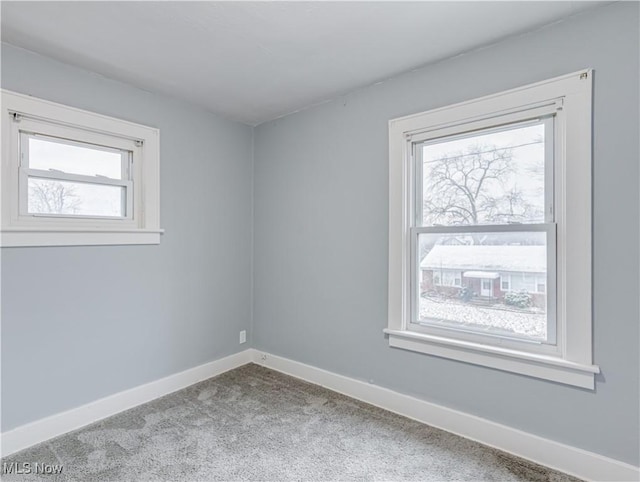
{"x": 257, "y": 424}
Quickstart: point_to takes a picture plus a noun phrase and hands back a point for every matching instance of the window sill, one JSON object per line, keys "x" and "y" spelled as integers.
{"x": 78, "y": 237}
{"x": 534, "y": 365}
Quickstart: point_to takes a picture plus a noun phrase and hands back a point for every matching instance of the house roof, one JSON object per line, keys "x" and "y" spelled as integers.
{"x": 530, "y": 259}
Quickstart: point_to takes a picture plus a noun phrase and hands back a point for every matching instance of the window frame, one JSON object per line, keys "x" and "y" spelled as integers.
{"x": 569, "y": 97}
{"x": 505, "y": 278}
{"x": 24, "y": 116}
{"x": 26, "y": 172}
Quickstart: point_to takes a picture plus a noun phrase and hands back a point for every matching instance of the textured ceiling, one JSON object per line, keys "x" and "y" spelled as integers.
{"x": 255, "y": 61}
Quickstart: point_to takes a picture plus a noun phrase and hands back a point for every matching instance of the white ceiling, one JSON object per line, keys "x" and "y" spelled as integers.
{"x": 255, "y": 61}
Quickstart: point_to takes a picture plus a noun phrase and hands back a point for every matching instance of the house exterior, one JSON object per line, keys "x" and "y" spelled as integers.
{"x": 488, "y": 271}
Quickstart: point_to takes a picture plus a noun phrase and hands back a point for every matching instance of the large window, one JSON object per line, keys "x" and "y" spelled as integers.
{"x": 73, "y": 177}
{"x": 483, "y": 206}
{"x": 487, "y": 200}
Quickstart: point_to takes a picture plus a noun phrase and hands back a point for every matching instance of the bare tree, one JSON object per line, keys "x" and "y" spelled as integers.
{"x": 470, "y": 187}
{"x": 52, "y": 197}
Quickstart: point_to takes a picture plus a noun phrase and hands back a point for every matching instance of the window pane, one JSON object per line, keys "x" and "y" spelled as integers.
{"x": 499, "y": 283}
{"x": 86, "y": 160}
{"x": 490, "y": 177}
{"x": 48, "y": 196}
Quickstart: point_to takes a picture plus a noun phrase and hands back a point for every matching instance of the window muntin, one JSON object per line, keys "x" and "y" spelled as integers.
{"x": 498, "y": 180}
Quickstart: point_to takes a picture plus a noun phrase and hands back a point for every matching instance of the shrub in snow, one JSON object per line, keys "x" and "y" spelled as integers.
{"x": 465, "y": 293}
{"x": 521, "y": 299}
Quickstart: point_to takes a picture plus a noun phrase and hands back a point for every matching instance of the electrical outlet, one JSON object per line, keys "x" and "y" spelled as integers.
{"x": 243, "y": 337}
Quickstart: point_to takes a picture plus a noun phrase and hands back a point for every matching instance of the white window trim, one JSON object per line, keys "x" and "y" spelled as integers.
{"x": 141, "y": 227}
{"x": 571, "y": 95}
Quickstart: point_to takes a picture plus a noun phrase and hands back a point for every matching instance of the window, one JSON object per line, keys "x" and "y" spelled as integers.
{"x": 66, "y": 178}
{"x": 505, "y": 283}
{"x": 446, "y": 278}
{"x": 71, "y": 177}
{"x": 497, "y": 190}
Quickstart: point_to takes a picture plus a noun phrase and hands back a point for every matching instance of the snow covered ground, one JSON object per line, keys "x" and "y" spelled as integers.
{"x": 501, "y": 318}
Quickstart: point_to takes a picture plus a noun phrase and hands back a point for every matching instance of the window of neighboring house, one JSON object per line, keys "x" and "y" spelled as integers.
{"x": 523, "y": 282}
{"x": 446, "y": 278}
{"x": 71, "y": 177}
{"x": 529, "y": 282}
{"x": 505, "y": 282}
{"x": 485, "y": 187}
{"x": 541, "y": 285}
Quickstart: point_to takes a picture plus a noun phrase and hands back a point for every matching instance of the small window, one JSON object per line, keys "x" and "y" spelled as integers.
{"x": 541, "y": 285}
{"x": 505, "y": 283}
{"x": 73, "y": 177}
{"x": 484, "y": 189}
{"x": 446, "y": 278}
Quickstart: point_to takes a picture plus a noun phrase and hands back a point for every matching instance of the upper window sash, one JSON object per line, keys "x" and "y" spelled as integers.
{"x": 125, "y": 154}
{"x": 495, "y": 124}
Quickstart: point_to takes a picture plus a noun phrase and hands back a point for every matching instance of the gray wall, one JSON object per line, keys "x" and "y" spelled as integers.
{"x": 80, "y": 323}
{"x": 320, "y": 250}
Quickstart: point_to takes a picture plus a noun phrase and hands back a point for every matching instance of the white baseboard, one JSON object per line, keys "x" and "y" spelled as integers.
{"x": 571, "y": 460}
{"x": 44, "y": 429}
{"x": 565, "y": 458}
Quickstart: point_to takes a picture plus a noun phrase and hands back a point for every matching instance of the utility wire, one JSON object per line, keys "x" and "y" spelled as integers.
{"x": 440, "y": 159}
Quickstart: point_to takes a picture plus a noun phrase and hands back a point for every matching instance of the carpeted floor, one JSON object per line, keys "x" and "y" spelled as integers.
{"x": 257, "y": 424}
